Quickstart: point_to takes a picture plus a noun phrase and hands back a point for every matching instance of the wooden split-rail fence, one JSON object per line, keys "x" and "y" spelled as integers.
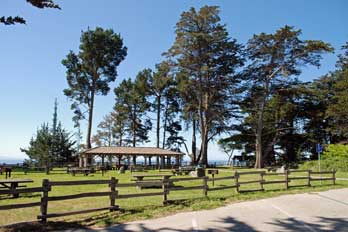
{"x": 167, "y": 186}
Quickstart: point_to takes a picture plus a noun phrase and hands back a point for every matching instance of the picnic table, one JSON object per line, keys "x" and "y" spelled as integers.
{"x": 140, "y": 178}
{"x": 85, "y": 171}
{"x": 185, "y": 170}
{"x": 12, "y": 184}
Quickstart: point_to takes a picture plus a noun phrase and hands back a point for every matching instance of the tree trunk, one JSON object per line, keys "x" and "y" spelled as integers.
{"x": 229, "y": 157}
{"x": 204, "y": 148}
{"x": 158, "y": 121}
{"x": 258, "y": 142}
{"x": 90, "y": 120}
{"x": 133, "y": 129}
{"x": 258, "y": 149}
{"x": 203, "y": 116}
{"x": 47, "y": 167}
{"x": 120, "y": 144}
{"x": 259, "y": 129}
{"x": 165, "y": 126}
{"x": 194, "y": 143}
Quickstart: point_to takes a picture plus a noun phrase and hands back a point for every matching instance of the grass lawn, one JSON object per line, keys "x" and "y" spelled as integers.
{"x": 140, "y": 208}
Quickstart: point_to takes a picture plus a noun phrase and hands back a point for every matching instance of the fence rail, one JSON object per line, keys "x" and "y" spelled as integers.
{"x": 19, "y": 206}
{"x": 167, "y": 187}
{"x": 18, "y": 191}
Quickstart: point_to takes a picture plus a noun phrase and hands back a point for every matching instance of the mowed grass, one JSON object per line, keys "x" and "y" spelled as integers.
{"x": 144, "y": 207}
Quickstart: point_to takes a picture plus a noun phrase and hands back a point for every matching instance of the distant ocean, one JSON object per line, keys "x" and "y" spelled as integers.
{"x": 20, "y": 161}
{"x": 210, "y": 162}
{"x": 218, "y": 162}
{"x": 11, "y": 161}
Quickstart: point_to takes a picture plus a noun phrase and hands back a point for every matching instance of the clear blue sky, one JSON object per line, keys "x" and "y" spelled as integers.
{"x": 30, "y": 55}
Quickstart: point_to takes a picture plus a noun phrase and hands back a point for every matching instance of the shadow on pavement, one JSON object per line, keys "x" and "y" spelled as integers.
{"x": 231, "y": 224}
{"x": 324, "y": 224}
{"x": 228, "y": 224}
{"x": 225, "y": 224}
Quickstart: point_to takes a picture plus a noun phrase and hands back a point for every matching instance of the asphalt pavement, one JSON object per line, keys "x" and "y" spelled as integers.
{"x": 321, "y": 211}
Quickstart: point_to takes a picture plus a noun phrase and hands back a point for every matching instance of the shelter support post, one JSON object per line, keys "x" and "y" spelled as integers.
{"x": 150, "y": 160}
{"x": 89, "y": 160}
{"x": 162, "y": 161}
{"x": 134, "y": 160}
{"x": 119, "y": 160}
{"x": 168, "y": 161}
{"x": 80, "y": 162}
{"x": 177, "y": 160}
{"x": 84, "y": 161}
{"x": 157, "y": 162}
{"x": 103, "y": 160}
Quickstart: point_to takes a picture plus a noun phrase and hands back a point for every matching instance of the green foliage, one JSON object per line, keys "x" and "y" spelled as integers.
{"x": 63, "y": 145}
{"x": 36, "y": 3}
{"x": 131, "y": 98}
{"x": 337, "y": 110}
{"x": 48, "y": 146}
{"x": 111, "y": 130}
{"x": 163, "y": 96}
{"x": 51, "y": 144}
{"x": 206, "y": 59}
{"x": 274, "y": 61}
{"x": 91, "y": 70}
{"x": 334, "y": 157}
{"x": 342, "y": 62}
{"x": 40, "y": 146}
{"x": 333, "y": 151}
{"x": 229, "y": 145}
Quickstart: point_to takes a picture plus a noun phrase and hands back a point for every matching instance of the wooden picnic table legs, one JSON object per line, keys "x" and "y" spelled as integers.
{"x": 13, "y": 188}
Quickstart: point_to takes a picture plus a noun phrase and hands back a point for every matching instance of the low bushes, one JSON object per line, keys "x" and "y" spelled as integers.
{"x": 335, "y": 157}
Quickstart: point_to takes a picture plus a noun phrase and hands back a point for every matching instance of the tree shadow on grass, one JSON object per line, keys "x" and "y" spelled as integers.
{"x": 42, "y": 227}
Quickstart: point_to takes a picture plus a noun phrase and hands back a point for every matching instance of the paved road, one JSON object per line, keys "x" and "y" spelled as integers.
{"x": 323, "y": 211}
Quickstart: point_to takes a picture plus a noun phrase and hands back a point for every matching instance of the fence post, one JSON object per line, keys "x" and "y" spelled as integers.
{"x": 309, "y": 177}
{"x": 213, "y": 178}
{"x": 261, "y": 181}
{"x": 333, "y": 176}
{"x": 165, "y": 190}
{"x": 286, "y": 179}
{"x": 236, "y": 176}
{"x": 205, "y": 185}
{"x": 44, "y": 200}
{"x": 113, "y": 193}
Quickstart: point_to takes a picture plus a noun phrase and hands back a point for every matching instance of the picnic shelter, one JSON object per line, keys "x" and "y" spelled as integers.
{"x": 152, "y": 156}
